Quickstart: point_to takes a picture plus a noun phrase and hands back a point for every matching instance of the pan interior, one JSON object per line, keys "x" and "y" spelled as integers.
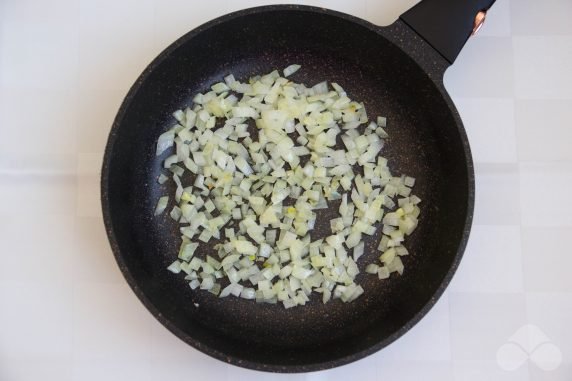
{"x": 424, "y": 143}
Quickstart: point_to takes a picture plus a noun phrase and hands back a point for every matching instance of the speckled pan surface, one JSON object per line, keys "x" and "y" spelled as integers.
{"x": 395, "y": 74}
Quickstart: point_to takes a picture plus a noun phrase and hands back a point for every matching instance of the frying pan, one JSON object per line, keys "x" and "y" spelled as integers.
{"x": 397, "y": 71}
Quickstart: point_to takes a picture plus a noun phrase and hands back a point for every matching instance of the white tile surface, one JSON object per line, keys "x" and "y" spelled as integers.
{"x": 498, "y": 21}
{"x": 545, "y": 181}
{"x": 88, "y": 194}
{"x": 184, "y": 369}
{"x": 173, "y": 18}
{"x": 111, "y": 369}
{"x": 109, "y": 323}
{"x": 114, "y": 42}
{"x": 561, "y": 374}
{"x": 35, "y": 320}
{"x": 22, "y": 164}
{"x": 544, "y": 131}
{"x": 46, "y": 258}
{"x": 48, "y": 62}
{"x": 490, "y": 126}
{"x": 43, "y": 368}
{"x": 497, "y": 195}
{"x": 406, "y": 370}
{"x": 92, "y": 258}
{"x": 246, "y": 375}
{"x": 96, "y": 112}
{"x": 49, "y": 194}
{"x": 37, "y": 121}
{"x": 480, "y": 324}
{"x": 552, "y": 18}
{"x": 66, "y": 312}
{"x": 356, "y": 8}
{"x": 479, "y": 370}
{"x": 483, "y": 69}
{"x": 492, "y": 261}
{"x": 370, "y": 369}
{"x": 539, "y": 65}
{"x": 551, "y": 313}
{"x": 546, "y": 259}
{"x": 471, "y": 317}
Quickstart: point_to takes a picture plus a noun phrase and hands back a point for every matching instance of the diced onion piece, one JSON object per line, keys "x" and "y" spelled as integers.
{"x": 271, "y": 188}
{"x": 243, "y": 166}
{"x": 289, "y": 70}
{"x": 175, "y": 267}
{"x": 220, "y": 87}
{"x": 358, "y": 251}
{"x": 162, "y": 179}
{"x": 244, "y": 247}
{"x": 187, "y": 250}
{"x": 161, "y": 205}
{"x": 165, "y": 141}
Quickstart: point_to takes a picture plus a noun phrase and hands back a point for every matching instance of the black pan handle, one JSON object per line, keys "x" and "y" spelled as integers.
{"x": 447, "y": 24}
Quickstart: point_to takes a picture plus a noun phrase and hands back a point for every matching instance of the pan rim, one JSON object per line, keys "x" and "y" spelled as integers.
{"x": 211, "y": 351}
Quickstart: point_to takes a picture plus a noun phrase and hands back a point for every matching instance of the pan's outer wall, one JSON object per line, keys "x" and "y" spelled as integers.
{"x": 128, "y": 199}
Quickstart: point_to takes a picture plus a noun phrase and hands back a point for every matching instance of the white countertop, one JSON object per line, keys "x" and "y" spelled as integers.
{"x": 66, "y": 312}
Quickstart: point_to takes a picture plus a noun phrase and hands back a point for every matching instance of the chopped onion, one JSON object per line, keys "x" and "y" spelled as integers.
{"x": 358, "y": 251}
{"x": 161, "y": 205}
{"x": 187, "y": 250}
{"x": 291, "y": 70}
{"x": 162, "y": 179}
{"x": 175, "y": 267}
{"x": 262, "y": 194}
{"x": 165, "y": 141}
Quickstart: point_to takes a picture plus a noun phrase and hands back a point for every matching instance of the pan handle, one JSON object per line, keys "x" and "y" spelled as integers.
{"x": 447, "y": 24}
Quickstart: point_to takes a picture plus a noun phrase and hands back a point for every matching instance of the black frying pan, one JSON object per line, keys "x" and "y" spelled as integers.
{"x": 397, "y": 71}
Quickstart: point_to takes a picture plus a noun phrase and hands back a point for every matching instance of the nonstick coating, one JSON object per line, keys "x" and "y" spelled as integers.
{"x": 427, "y": 141}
